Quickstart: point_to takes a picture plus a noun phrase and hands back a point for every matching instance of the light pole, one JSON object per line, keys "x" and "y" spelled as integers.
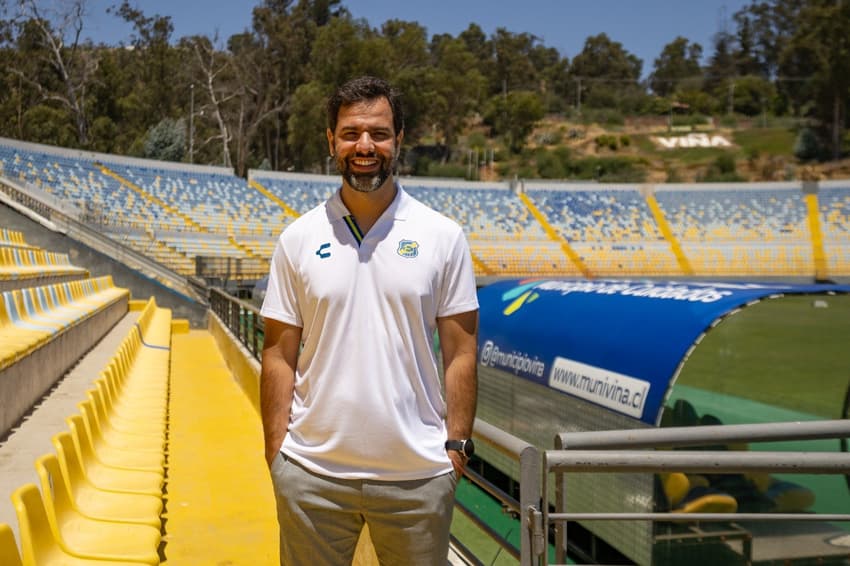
{"x": 192, "y": 123}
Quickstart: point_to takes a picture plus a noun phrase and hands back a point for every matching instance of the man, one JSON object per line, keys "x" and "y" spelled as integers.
{"x": 357, "y": 430}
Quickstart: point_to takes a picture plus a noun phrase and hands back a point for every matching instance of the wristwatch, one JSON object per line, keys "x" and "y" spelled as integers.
{"x": 465, "y": 446}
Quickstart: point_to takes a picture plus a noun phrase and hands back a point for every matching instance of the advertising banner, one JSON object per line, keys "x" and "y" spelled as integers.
{"x": 615, "y": 343}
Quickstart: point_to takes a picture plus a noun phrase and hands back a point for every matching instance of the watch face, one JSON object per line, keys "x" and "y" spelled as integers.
{"x": 468, "y": 448}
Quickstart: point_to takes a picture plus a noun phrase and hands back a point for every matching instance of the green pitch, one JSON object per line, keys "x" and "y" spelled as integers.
{"x": 785, "y": 352}
{"x": 779, "y": 360}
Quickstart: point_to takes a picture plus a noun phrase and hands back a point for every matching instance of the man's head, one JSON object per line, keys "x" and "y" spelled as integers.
{"x": 365, "y": 129}
{"x": 365, "y": 89}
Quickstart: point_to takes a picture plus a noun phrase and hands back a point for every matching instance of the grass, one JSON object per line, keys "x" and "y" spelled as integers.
{"x": 481, "y": 545}
{"x": 779, "y": 360}
{"x": 766, "y": 141}
{"x": 782, "y": 352}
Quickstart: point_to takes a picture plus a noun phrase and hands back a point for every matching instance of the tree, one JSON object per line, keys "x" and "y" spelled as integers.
{"x": 765, "y": 28}
{"x": 454, "y": 88}
{"x": 154, "y": 62}
{"x": 514, "y": 68}
{"x": 677, "y": 67}
{"x": 820, "y": 48}
{"x": 409, "y": 67}
{"x": 306, "y": 127}
{"x": 514, "y": 115}
{"x": 256, "y": 92}
{"x": 347, "y": 48}
{"x": 60, "y": 72}
{"x": 753, "y": 95}
{"x": 166, "y": 141}
{"x": 606, "y": 72}
{"x": 287, "y": 33}
{"x": 721, "y": 69}
{"x": 212, "y": 69}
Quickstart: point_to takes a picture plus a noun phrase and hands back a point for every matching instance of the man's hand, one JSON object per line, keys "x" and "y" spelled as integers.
{"x": 458, "y": 462}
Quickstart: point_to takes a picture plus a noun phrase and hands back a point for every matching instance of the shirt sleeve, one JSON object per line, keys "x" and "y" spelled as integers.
{"x": 458, "y": 293}
{"x": 281, "y": 300}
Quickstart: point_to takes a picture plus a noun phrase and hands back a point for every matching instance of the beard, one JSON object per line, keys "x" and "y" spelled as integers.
{"x": 366, "y": 183}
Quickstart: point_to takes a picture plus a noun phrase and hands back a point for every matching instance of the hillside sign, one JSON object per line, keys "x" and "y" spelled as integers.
{"x": 692, "y": 140}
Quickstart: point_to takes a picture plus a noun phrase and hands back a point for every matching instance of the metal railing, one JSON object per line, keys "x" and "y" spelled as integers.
{"x": 617, "y": 451}
{"x": 241, "y": 318}
{"x": 528, "y": 456}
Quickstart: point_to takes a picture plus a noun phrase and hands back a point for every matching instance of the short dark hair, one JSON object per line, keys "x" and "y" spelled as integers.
{"x": 362, "y": 89}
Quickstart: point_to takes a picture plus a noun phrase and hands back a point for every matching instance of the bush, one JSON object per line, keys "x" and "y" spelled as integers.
{"x": 609, "y": 169}
{"x": 449, "y": 170}
{"x": 605, "y": 140}
{"x": 476, "y": 140}
{"x": 606, "y": 116}
{"x": 807, "y": 146}
{"x": 166, "y": 141}
{"x": 673, "y": 175}
{"x": 722, "y": 171}
{"x": 725, "y": 163}
{"x": 729, "y": 121}
{"x": 549, "y": 137}
{"x": 549, "y": 166}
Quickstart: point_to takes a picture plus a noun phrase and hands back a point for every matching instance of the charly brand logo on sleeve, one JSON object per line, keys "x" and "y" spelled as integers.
{"x": 408, "y": 248}
{"x": 321, "y": 251}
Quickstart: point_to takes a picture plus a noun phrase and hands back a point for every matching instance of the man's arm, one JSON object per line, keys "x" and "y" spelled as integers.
{"x": 277, "y": 382}
{"x": 459, "y": 343}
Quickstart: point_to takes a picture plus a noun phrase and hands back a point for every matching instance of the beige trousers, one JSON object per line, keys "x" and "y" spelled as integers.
{"x": 321, "y": 517}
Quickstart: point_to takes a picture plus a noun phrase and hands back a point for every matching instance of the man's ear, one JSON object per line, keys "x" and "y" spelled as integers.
{"x": 398, "y": 139}
{"x": 330, "y": 135}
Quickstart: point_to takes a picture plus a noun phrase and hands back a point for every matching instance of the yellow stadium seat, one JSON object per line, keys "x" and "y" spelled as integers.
{"x": 126, "y": 456}
{"x": 96, "y": 538}
{"x": 108, "y": 478}
{"x": 9, "y": 555}
{"x": 111, "y": 437}
{"x": 96, "y": 503}
{"x": 102, "y": 403}
{"x": 40, "y": 544}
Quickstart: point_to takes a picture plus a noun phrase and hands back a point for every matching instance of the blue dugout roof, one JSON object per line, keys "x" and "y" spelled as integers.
{"x": 616, "y": 343}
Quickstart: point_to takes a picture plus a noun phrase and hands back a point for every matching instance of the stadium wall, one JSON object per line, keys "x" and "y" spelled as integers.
{"x": 246, "y": 370}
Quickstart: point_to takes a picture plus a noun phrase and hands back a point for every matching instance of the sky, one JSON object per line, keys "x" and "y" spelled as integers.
{"x": 643, "y": 27}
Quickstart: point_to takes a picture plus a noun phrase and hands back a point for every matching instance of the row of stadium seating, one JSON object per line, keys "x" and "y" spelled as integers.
{"x": 176, "y": 212}
{"x": 12, "y": 238}
{"x": 101, "y": 492}
{"x": 91, "y": 403}
{"x": 749, "y": 493}
{"x": 21, "y": 263}
{"x": 32, "y": 316}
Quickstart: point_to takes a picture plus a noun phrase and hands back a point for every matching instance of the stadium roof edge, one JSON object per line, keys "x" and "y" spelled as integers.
{"x": 114, "y": 158}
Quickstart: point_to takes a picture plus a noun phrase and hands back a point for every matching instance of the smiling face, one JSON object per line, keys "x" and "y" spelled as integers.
{"x": 365, "y": 144}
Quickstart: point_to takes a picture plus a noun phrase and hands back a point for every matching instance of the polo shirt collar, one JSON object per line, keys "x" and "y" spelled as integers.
{"x": 397, "y": 209}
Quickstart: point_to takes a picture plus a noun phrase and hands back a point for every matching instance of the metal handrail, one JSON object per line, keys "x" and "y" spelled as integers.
{"x": 603, "y": 452}
{"x": 703, "y": 435}
{"x": 532, "y": 541}
{"x": 242, "y": 318}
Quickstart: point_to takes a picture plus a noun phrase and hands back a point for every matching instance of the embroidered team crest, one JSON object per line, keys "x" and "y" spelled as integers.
{"x": 408, "y": 248}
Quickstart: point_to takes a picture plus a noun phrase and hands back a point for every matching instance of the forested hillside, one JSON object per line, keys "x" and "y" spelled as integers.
{"x": 775, "y": 86}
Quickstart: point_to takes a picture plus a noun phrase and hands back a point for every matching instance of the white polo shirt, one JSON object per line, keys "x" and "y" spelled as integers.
{"x": 368, "y": 402}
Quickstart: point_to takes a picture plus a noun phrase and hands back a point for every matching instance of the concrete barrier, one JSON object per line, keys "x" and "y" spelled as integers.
{"x": 24, "y": 383}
